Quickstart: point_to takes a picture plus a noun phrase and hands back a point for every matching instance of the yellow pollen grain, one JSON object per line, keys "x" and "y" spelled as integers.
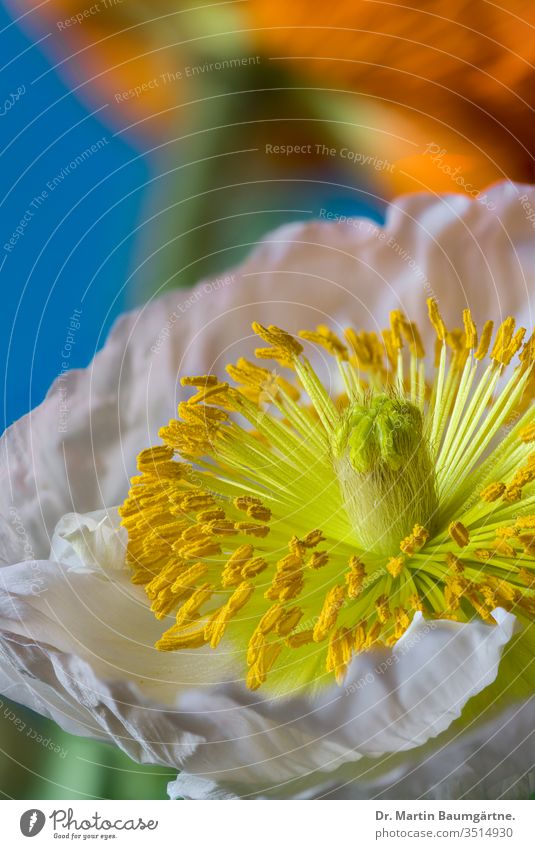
{"x": 220, "y": 392}
{"x": 383, "y": 610}
{"x": 526, "y": 577}
{"x": 355, "y": 577}
{"x": 527, "y": 434}
{"x": 289, "y": 621}
{"x": 504, "y": 592}
{"x": 210, "y": 515}
{"x": 317, "y": 560}
{"x": 436, "y": 319}
{"x": 484, "y": 342}
{"x": 270, "y": 618}
{"x": 313, "y": 538}
{"x": 193, "y": 532}
{"x": 252, "y": 529}
{"x": 412, "y": 336}
{"x": 397, "y": 320}
{"x": 459, "y": 534}
{"x": 260, "y": 512}
{"x": 243, "y": 502}
{"x": 512, "y": 494}
{"x": 219, "y": 527}
{"x": 283, "y": 344}
{"x": 329, "y": 612}
{"x": 288, "y": 580}
{"x": 201, "y": 548}
{"x": 267, "y": 656}
{"x": 200, "y": 382}
{"x": 470, "y": 330}
{"x": 402, "y": 621}
{"x": 395, "y": 566}
{"x": 480, "y": 608}
{"x": 414, "y": 542}
{"x": 256, "y": 641}
{"x": 254, "y": 567}
{"x": 503, "y": 339}
{"x": 174, "y": 640}
{"x": 251, "y": 375}
{"x": 525, "y": 522}
{"x": 503, "y": 548}
{"x": 367, "y": 349}
{"x": 372, "y": 637}
{"x": 514, "y": 346}
{"x": 359, "y": 635}
{"x": 302, "y": 638}
{"x": 328, "y": 340}
{"x": 149, "y": 458}
{"x": 233, "y": 568}
{"x": 339, "y": 654}
{"x": 390, "y": 347}
{"x": 507, "y": 533}
{"x": 187, "y": 579}
{"x": 190, "y": 609}
{"x": 215, "y": 629}
{"x": 528, "y": 543}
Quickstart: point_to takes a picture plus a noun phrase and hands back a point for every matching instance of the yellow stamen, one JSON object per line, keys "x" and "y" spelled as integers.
{"x": 329, "y": 612}
{"x": 436, "y": 319}
{"x": 415, "y": 541}
{"x": 459, "y": 534}
{"x": 470, "y": 330}
{"x": 395, "y": 566}
{"x": 484, "y": 342}
{"x": 355, "y": 577}
{"x": 327, "y": 339}
{"x": 219, "y": 516}
{"x": 493, "y": 492}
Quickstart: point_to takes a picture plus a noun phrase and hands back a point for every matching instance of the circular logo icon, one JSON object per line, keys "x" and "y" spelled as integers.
{"x": 32, "y": 822}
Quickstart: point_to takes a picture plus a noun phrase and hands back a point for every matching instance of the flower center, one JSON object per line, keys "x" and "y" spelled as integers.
{"x": 300, "y": 528}
{"x": 385, "y": 471}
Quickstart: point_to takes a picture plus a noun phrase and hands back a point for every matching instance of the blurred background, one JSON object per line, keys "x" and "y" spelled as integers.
{"x": 145, "y": 145}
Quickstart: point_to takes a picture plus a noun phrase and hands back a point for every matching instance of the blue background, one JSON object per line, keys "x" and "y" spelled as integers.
{"x": 75, "y": 250}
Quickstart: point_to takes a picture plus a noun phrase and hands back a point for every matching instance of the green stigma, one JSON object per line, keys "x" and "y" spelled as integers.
{"x": 385, "y": 471}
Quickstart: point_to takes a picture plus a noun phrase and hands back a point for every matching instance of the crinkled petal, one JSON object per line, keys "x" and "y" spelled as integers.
{"x": 393, "y": 701}
{"x": 491, "y": 760}
{"x": 66, "y": 689}
{"x": 83, "y": 603}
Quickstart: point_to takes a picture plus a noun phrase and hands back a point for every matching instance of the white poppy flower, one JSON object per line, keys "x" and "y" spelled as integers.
{"x": 335, "y": 600}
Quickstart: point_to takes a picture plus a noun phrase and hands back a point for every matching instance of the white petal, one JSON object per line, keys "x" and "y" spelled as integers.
{"x": 66, "y": 689}
{"x": 491, "y": 760}
{"x": 457, "y": 249}
{"x": 393, "y": 701}
{"x": 77, "y": 645}
{"x": 82, "y": 602}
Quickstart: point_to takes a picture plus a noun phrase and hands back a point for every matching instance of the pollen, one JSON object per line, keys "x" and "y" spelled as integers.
{"x": 291, "y": 528}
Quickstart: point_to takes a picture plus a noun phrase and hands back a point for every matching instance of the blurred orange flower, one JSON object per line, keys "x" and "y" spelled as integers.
{"x": 444, "y": 91}
{"x": 453, "y": 78}
{"x": 115, "y": 51}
